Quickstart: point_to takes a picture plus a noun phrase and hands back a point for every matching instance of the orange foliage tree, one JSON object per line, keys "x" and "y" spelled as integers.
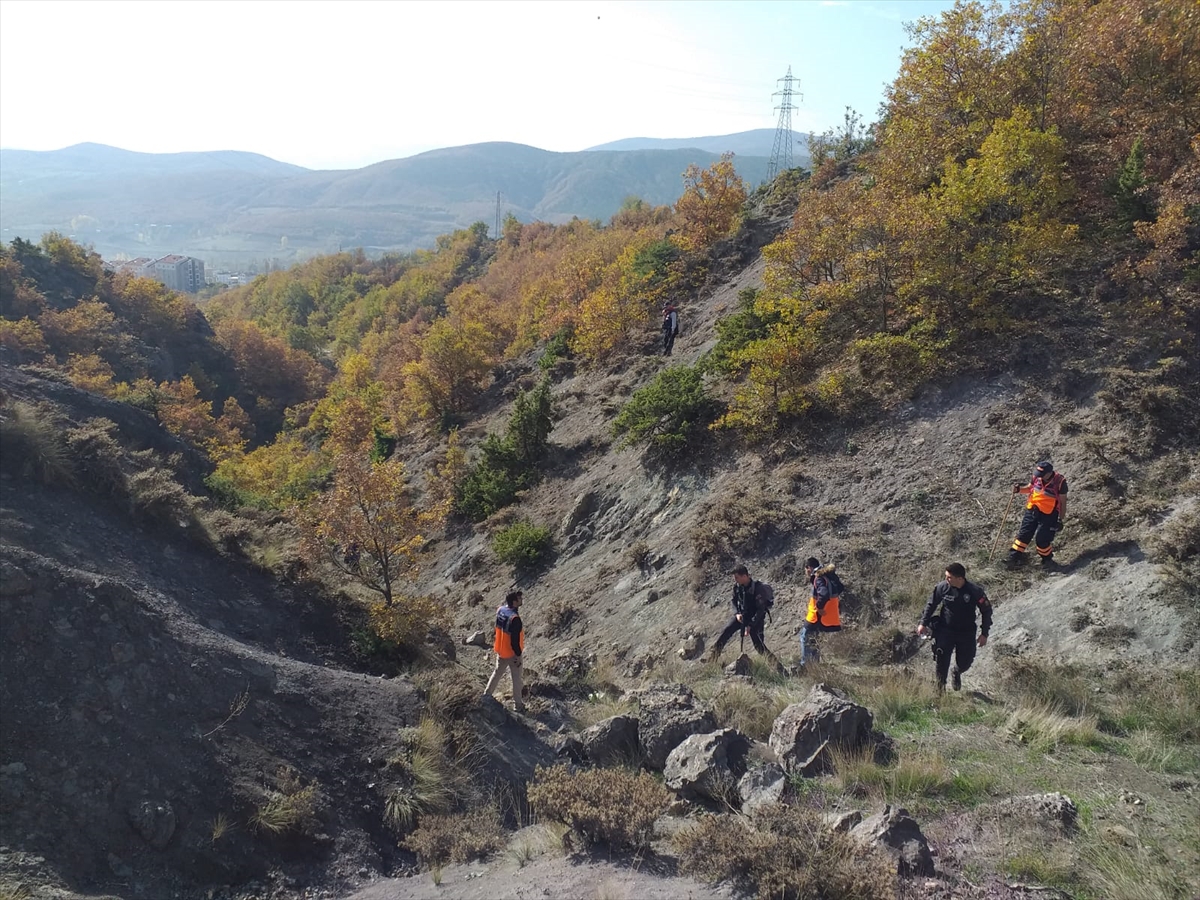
{"x": 711, "y": 203}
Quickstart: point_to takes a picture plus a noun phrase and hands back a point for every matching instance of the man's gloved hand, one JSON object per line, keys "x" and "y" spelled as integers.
{"x": 1017, "y": 487}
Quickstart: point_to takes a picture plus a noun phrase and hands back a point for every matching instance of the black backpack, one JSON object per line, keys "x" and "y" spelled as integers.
{"x": 764, "y": 595}
{"x": 836, "y": 588}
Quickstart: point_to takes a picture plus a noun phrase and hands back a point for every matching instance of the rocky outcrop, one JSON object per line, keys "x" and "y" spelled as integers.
{"x": 740, "y": 666}
{"x": 707, "y": 767}
{"x": 1055, "y": 811}
{"x": 691, "y": 647}
{"x": 805, "y": 732}
{"x": 611, "y": 742}
{"x": 896, "y": 832}
{"x": 476, "y": 639}
{"x": 669, "y": 715}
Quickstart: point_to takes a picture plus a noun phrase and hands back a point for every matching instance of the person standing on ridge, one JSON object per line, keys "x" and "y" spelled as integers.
{"x": 509, "y": 645}
{"x": 670, "y": 327}
{"x": 953, "y": 627}
{"x": 823, "y": 602}
{"x": 752, "y": 600}
{"x": 1045, "y": 513}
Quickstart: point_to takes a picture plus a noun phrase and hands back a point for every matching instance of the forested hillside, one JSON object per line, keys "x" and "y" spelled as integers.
{"x": 1006, "y": 266}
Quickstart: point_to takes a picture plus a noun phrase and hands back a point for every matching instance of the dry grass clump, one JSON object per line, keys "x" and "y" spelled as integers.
{"x": 638, "y": 554}
{"x": 31, "y": 444}
{"x": 785, "y": 853}
{"x": 915, "y": 777}
{"x": 1165, "y": 702}
{"x": 902, "y": 698}
{"x": 287, "y": 813}
{"x": 732, "y": 528}
{"x": 1044, "y": 726}
{"x": 435, "y": 766}
{"x": 99, "y": 458}
{"x": 1031, "y": 682}
{"x": 600, "y": 706}
{"x": 459, "y": 838}
{"x": 607, "y": 807}
{"x": 1113, "y": 869}
{"x": 155, "y": 495}
{"x": 558, "y": 616}
{"x": 750, "y": 710}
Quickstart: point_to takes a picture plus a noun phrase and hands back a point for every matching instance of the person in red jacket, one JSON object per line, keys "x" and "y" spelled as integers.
{"x": 509, "y": 644}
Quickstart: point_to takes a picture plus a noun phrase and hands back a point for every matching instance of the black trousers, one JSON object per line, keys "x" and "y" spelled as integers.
{"x": 668, "y": 341}
{"x": 1039, "y": 526}
{"x": 958, "y": 644}
{"x": 756, "y": 634}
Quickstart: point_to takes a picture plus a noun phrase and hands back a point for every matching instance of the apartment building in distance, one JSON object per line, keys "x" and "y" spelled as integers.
{"x": 180, "y": 273}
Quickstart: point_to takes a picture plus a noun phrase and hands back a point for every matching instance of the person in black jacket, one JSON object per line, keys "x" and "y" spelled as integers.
{"x": 751, "y": 600}
{"x": 950, "y": 615}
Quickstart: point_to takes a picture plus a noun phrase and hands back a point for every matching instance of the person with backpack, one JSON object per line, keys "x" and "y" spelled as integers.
{"x": 823, "y": 602}
{"x": 752, "y": 602}
{"x": 670, "y": 327}
{"x": 1045, "y": 514}
{"x": 509, "y": 644}
{"x": 950, "y": 616}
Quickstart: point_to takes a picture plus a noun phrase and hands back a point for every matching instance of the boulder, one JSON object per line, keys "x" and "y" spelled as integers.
{"x": 611, "y": 742}
{"x": 895, "y": 831}
{"x": 669, "y": 715}
{"x": 740, "y": 666}
{"x": 569, "y": 748}
{"x": 804, "y": 733}
{"x": 691, "y": 648}
{"x": 1057, "y": 811}
{"x": 154, "y": 821}
{"x": 842, "y": 821}
{"x": 476, "y": 639}
{"x": 762, "y": 786}
{"x": 570, "y": 662}
{"x": 708, "y": 766}
{"x": 581, "y": 510}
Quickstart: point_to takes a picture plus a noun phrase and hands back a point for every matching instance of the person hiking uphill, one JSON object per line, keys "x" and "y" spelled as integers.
{"x": 823, "y": 613}
{"x": 752, "y": 600}
{"x": 509, "y": 645}
{"x": 953, "y": 627}
{"x": 1045, "y": 513}
{"x": 670, "y": 327}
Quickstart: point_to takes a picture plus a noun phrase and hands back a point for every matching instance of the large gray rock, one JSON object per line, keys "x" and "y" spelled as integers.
{"x": 805, "y": 732}
{"x": 669, "y": 715}
{"x": 611, "y": 742}
{"x": 761, "y": 786}
{"x": 692, "y": 647}
{"x": 477, "y": 639}
{"x": 708, "y": 766}
{"x": 895, "y": 831}
{"x": 1054, "y": 810}
{"x": 740, "y": 666}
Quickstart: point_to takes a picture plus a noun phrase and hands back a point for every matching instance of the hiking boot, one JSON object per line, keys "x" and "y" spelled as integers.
{"x": 941, "y": 687}
{"x": 957, "y": 679}
{"x": 1015, "y": 557}
{"x": 1048, "y": 562}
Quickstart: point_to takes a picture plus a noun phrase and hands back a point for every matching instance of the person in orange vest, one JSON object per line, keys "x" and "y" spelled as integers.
{"x": 1045, "y": 513}
{"x": 509, "y": 645}
{"x": 823, "y": 613}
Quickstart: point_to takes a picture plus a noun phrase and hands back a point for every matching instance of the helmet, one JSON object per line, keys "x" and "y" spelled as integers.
{"x": 1045, "y": 470}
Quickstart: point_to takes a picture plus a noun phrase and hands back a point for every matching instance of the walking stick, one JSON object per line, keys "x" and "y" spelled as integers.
{"x": 742, "y": 646}
{"x": 1000, "y": 530}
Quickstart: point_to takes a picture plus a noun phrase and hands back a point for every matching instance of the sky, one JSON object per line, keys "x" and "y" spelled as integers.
{"x": 345, "y": 84}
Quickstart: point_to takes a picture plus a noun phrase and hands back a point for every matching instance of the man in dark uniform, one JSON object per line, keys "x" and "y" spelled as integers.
{"x": 751, "y": 600}
{"x": 954, "y": 626}
{"x": 1045, "y": 513}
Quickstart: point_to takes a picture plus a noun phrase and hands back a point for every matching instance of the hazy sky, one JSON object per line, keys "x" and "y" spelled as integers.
{"x": 340, "y": 85}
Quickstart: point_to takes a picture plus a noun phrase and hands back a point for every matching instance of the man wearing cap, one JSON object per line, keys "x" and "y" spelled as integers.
{"x": 1045, "y": 513}
{"x": 509, "y": 645}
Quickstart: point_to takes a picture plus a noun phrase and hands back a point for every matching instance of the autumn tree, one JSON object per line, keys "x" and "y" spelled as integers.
{"x": 365, "y": 526}
{"x": 711, "y": 203}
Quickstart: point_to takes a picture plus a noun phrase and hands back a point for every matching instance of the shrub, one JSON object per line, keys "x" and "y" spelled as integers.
{"x": 733, "y": 527}
{"x": 746, "y": 708}
{"x": 155, "y": 495}
{"x": 558, "y": 615}
{"x": 558, "y": 347}
{"x": 460, "y": 838}
{"x": 523, "y": 545}
{"x": 31, "y": 444}
{"x": 98, "y": 457}
{"x": 608, "y": 807}
{"x": 785, "y": 853}
{"x": 408, "y": 620}
{"x": 639, "y": 554}
{"x": 669, "y": 414}
{"x": 282, "y": 812}
{"x": 737, "y": 331}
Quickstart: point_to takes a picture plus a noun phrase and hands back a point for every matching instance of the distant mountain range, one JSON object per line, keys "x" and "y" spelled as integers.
{"x": 759, "y": 142}
{"x": 230, "y": 207}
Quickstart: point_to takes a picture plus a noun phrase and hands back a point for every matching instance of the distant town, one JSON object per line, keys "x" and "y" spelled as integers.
{"x": 180, "y": 273}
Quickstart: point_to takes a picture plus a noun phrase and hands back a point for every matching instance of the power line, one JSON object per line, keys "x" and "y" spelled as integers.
{"x": 781, "y": 152}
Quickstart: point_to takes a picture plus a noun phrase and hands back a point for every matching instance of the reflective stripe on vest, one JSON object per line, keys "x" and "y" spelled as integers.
{"x": 503, "y": 642}
{"x": 1044, "y": 495}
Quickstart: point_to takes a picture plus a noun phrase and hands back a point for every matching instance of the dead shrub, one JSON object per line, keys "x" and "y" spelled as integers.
{"x": 639, "y": 554}
{"x": 459, "y": 838}
{"x": 99, "y": 458}
{"x": 607, "y": 807}
{"x": 154, "y": 494}
{"x": 785, "y": 853}
{"x": 731, "y": 529}
{"x": 31, "y": 444}
{"x": 1177, "y": 542}
{"x": 558, "y": 616}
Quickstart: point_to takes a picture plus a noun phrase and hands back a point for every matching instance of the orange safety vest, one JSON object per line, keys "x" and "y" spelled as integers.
{"x": 829, "y": 617}
{"x": 1044, "y": 494}
{"x": 503, "y": 642}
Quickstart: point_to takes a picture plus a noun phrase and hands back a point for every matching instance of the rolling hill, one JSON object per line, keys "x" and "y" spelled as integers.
{"x": 231, "y": 208}
{"x": 758, "y": 142}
